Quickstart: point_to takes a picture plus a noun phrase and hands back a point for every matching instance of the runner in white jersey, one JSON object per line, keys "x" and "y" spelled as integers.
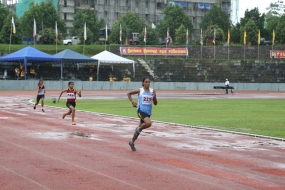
{"x": 146, "y": 96}
{"x": 40, "y": 94}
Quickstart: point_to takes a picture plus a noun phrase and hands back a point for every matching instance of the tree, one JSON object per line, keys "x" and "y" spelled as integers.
{"x": 235, "y": 33}
{"x": 45, "y": 15}
{"x": 276, "y": 9}
{"x": 93, "y": 24}
{"x": 114, "y": 37}
{"x": 48, "y": 37}
{"x": 128, "y": 20}
{"x": 271, "y": 24}
{"x": 272, "y": 17}
{"x": 280, "y": 30}
{"x": 174, "y": 17}
{"x": 132, "y": 21}
{"x": 151, "y": 37}
{"x": 4, "y": 11}
{"x": 180, "y": 35}
{"x": 256, "y": 17}
{"x": 220, "y": 35}
{"x": 216, "y": 16}
{"x": 6, "y": 31}
{"x": 251, "y": 32}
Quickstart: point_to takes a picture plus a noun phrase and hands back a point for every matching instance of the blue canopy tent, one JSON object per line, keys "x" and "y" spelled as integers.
{"x": 69, "y": 56}
{"x": 29, "y": 54}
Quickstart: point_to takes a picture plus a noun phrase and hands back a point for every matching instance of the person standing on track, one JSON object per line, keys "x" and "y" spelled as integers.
{"x": 227, "y": 84}
{"x": 70, "y": 100}
{"x": 146, "y": 96}
{"x": 40, "y": 95}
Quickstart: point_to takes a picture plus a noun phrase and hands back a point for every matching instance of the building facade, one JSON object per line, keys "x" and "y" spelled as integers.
{"x": 149, "y": 10}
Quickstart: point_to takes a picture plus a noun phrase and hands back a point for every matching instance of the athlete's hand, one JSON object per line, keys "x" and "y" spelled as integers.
{"x": 79, "y": 93}
{"x": 134, "y": 104}
{"x": 154, "y": 94}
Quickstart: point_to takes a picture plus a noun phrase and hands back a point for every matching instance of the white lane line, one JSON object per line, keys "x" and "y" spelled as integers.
{"x": 14, "y": 113}
{"x": 148, "y": 150}
{"x": 24, "y": 177}
{"x": 99, "y": 173}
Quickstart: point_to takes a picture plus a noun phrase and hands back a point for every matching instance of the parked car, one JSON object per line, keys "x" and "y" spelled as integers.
{"x": 263, "y": 41}
{"x": 73, "y": 41}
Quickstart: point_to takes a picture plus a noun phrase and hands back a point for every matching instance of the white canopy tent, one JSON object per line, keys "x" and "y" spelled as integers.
{"x": 108, "y": 58}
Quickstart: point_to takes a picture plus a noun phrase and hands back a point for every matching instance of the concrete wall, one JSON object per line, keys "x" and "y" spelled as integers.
{"x": 105, "y": 85}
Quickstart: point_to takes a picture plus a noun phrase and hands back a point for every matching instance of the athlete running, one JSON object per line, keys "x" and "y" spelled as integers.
{"x": 40, "y": 94}
{"x": 70, "y": 100}
{"x": 146, "y": 96}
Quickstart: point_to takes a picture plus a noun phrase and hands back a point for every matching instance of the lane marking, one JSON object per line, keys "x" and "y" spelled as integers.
{"x": 99, "y": 173}
{"x": 152, "y": 152}
{"x": 24, "y": 177}
{"x": 110, "y": 155}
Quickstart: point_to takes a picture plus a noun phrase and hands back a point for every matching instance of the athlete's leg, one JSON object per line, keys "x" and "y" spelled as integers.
{"x": 68, "y": 113}
{"x": 43, "y": 105}
{"x": 37, "y": 102}
{"x": 72, "y": 114}
{"x": 42, "y": 102}
{"x": 137, "y": 133}
{"x": 147, "y": 123}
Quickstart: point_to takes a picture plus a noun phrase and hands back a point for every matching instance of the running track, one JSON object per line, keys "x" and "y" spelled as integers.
{"x": 41, "y": 151}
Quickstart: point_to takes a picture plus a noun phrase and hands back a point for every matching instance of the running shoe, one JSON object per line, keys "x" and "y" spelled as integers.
{"x": 132, "y": 145}
{"x": 43, "y": 110}
{"x": 137, "y": 133}
{"x": 34, "y": 107}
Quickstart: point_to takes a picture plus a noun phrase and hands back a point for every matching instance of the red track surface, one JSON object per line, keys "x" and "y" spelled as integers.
{"x": 42, "y": 151}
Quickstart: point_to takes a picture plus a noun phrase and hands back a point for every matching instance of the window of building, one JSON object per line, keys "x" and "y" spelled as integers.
{"x": 106, "y": 2}
{"x": 64, "y": 16}
{"x": 146, "y": 4}
{"x": 127, "y": 2}
{"x": 65, "y": 3}
{"x": 106, "y": 14}
{"x": 158, "y": 5}
{"x": 146, "y": 16}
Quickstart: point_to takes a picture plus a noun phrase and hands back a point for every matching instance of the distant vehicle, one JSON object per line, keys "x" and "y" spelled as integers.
{"x": 102, "y": 34}
{"x": 263, "y": 41}
{"x": 73, "y": 41}
{"x": 133, "y": 37}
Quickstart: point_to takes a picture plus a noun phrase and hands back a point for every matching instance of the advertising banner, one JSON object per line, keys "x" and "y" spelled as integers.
{"x": 154, "y": 51}
{"x": 277, "y": 54}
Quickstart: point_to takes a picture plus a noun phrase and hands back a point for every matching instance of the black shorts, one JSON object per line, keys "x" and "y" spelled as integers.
{"x": 39, "y": 97}
{"x": 68, "y": 104}
{"x": 142, "y": 115}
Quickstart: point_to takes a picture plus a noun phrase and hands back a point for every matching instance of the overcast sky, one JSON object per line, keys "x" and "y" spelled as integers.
{"x": 250, "y": 4}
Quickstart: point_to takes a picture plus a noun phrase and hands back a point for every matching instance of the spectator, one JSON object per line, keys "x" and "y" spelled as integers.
{"x": 227, "y": 84}
{"x": 5, "y": 74}
{"x": 273, "y": 55}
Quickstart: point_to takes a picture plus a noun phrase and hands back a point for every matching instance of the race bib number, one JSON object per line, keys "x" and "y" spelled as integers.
{"x": 70, "y": 96}
{"x": 146, "y": 99}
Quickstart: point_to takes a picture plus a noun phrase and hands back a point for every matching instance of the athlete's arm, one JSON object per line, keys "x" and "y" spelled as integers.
{"x": 154, "y": 98}
{"x": 61, "y": 94}
{"x": 78, "y": 92}
{"x": 129, "y": 94}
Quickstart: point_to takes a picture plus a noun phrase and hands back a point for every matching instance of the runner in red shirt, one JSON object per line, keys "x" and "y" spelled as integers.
{"x": 70, "y": 100}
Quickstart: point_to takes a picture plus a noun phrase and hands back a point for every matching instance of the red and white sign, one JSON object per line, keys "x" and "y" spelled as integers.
{"x": 277, "y": 53}
{"x": 153, "y": 51}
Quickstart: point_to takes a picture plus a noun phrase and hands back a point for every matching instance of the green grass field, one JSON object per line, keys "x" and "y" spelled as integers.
{"x": 255, "y": 116}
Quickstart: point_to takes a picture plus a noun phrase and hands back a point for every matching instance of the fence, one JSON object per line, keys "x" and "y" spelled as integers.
{"x": 105, "y": 85}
